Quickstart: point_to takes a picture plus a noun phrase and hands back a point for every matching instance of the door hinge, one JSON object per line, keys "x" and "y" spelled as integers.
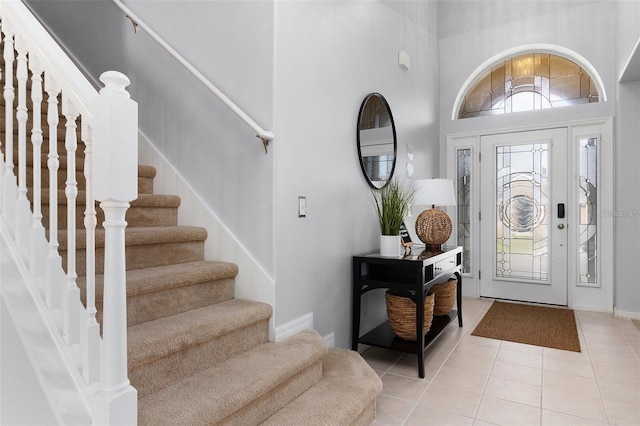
{"x": 479, "y": 215}
{"x": 479, "y": 156}
{"x": 479, "y": 274}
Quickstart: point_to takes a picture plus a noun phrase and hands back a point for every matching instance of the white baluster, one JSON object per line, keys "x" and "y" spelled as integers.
{"x": 54, "y": 287}
{"x": 71, "y": 326}
{"x": 91, "y": 335}
{"x": 9, "y": 180}
{"x": 1, "y": 159}
{"x": 115, "y": 184}
{"x": 38, "y": 240}
{"x": 23, "y": 211}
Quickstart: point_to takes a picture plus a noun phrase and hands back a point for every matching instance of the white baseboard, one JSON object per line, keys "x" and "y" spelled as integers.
{"x": 329, "y": 340}
{"x": 294, "y": 327}
{"x": 626, "y": 314}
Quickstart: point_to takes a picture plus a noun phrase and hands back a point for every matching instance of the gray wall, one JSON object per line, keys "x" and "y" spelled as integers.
{"x": 329, "y": 56}
{"x": 627, "y": 295}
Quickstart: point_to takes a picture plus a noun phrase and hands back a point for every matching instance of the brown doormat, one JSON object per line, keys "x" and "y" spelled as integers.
{"x": 533, "y": 325}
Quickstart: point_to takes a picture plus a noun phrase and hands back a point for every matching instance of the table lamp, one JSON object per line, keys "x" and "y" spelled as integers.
{"x": 433, "y": 226}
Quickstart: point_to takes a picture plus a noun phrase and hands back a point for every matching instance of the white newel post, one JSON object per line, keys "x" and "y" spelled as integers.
{"x": 115, "y": 170}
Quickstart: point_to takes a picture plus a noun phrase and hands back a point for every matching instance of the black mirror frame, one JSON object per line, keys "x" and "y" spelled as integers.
{"x": 395, "y": 140}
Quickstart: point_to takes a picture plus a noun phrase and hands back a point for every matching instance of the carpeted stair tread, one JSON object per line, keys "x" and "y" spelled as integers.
{"x": 143, "y": 200}
{"x": 147, "y": 210}
{"x": 167, "y": 350}
{"x": 245, "y": 389}
{"x": 142, "y": 235}
{"x": 146, "y": 246}
{"x": 148, "y": 280}
{"x": 156, "y": 339}
{"x": 344, "y": 396}
{"x": 161, "y": 291}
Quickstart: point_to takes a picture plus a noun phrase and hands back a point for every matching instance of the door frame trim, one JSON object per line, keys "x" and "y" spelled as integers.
{"x": 582, "y": 298}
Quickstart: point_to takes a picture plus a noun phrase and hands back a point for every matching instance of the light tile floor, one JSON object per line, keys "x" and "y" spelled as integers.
{"x": 471, "y": 380}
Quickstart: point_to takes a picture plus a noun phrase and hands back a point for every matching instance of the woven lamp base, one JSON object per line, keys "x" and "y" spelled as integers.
{"x": 433, "y": 227}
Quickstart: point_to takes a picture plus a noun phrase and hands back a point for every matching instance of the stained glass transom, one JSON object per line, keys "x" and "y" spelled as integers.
{"x": 522, "y": 231}
{"x": 529, "y": 82}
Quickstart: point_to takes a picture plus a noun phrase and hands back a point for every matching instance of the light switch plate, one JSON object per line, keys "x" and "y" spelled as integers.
{"x": 302, "y": 206}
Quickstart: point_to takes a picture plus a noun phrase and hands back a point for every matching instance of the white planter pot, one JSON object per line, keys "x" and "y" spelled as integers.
{"x": 390, "y": 246}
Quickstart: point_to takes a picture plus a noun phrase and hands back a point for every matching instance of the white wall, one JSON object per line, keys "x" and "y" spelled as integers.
{"x": 329, "y": 56}
{"x": 627, "y": 171}
{"x": 473, "y": 32}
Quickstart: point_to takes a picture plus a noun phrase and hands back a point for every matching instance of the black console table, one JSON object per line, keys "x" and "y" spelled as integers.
{"x": 416, "y": 272}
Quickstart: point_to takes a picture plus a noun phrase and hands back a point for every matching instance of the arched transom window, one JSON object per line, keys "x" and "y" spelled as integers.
{"x": 528, "y": 82}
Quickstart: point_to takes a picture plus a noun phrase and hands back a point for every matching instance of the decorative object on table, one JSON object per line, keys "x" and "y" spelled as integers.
{"x": 401, "y": 310}
{"x": 433, "y": 226}
{"x": 445, "y": 297}
{"x": 405, "y": 239}
{"x": 392, "y": 205}
{"x": 377, "y": 144}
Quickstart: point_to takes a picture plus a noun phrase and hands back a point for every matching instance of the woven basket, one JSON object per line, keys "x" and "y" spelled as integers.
{"x": 401, "y": 311}
{"x": 445, "y": 297}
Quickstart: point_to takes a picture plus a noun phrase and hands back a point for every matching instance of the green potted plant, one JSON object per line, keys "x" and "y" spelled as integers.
{"x": 392, "y": 206}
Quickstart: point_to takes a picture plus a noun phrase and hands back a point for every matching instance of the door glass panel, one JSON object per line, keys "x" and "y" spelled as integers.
{"x": 463, "y": 178}
{"x": 522, "y": 231}
{"x": 588, "y": 207}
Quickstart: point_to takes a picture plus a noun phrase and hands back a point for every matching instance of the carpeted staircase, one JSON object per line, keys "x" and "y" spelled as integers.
{"x": 196, "y": 354}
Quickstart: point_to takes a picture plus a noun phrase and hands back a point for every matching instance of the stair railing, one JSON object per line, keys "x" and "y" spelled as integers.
{"x": 265, "y": 136}
{"x": 106, "y": 122}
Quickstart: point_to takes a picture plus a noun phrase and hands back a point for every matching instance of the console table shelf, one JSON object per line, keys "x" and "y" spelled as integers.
{"x": 416, "y": 273}
{"x": 383, "y": 337}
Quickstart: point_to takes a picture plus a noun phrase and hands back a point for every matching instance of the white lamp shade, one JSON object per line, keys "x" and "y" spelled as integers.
{"x": 436, "y": 192}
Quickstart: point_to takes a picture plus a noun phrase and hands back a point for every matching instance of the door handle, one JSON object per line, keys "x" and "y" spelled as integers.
{"x": 561, "y": 226}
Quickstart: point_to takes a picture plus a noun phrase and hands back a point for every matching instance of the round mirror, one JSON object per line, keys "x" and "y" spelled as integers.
{"x": 376, "y": 140}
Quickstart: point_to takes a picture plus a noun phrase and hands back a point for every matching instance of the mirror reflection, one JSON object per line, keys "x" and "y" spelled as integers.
{"x": 376, "y": 140}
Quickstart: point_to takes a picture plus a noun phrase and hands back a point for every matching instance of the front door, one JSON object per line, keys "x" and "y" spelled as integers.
{"x": 523, "y": 226}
